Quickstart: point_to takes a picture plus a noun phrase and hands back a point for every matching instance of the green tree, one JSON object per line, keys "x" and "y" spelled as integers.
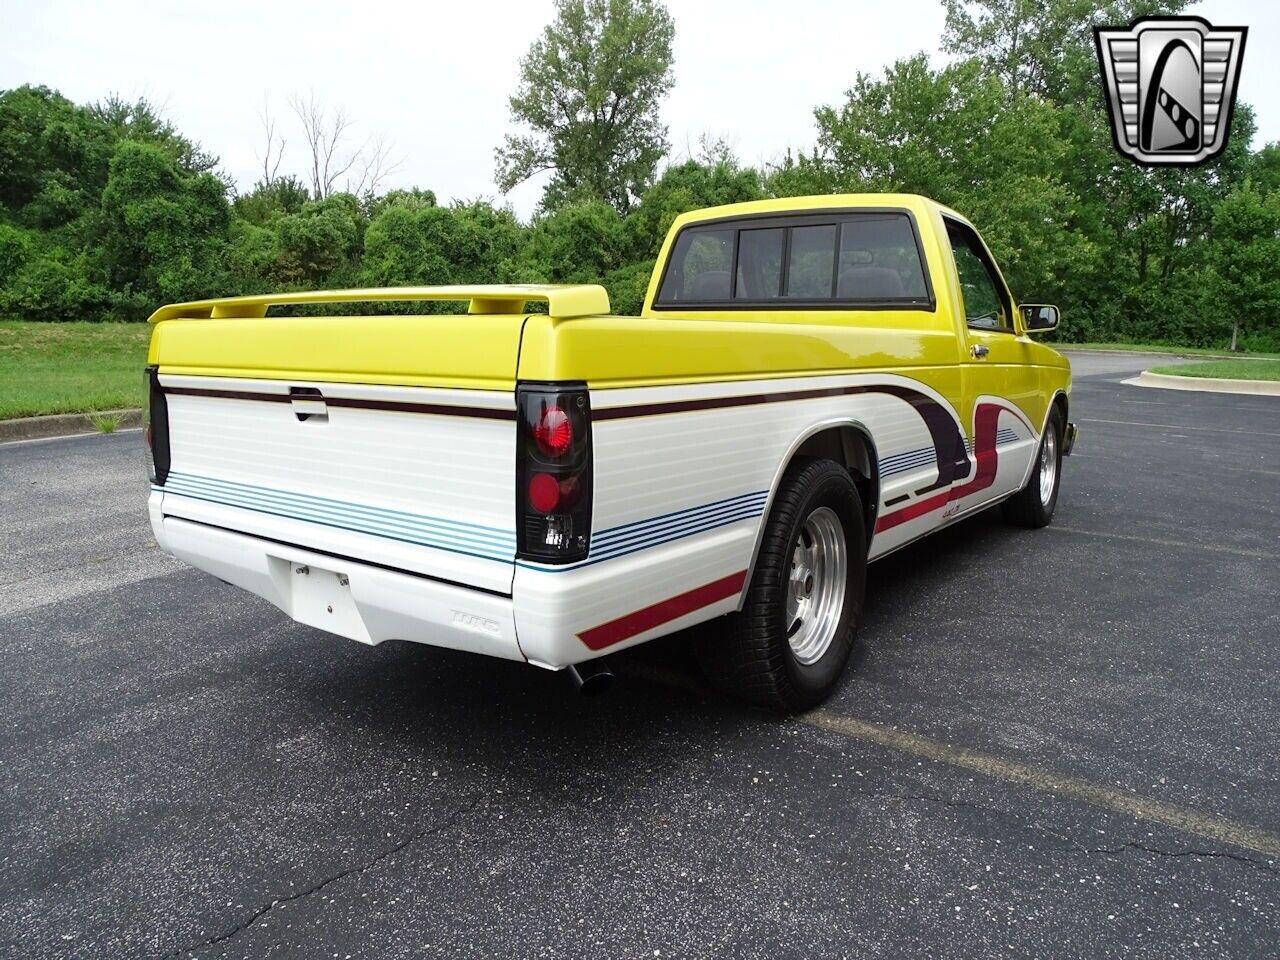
{"x": 589, "y": 93}
{"x": 712, "y": 179}
{"x": 578, "y": 243}
{"x": 412, "y": 243}
{"x": 163, "y": 230}
{"x": 1041, "y": 47}
{"x": 141, "y": 121}
{"x": 958, "y": 136}
{"x": 320, "y": 245}
{"x": 1243, "y": 259}
{"x": 1264, "y": 168}
{"x": 54, "y": 157}
{"x": 268, "y": 202}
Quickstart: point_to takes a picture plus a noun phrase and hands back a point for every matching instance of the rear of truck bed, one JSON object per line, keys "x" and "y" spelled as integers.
{"x": 357, "y": 472}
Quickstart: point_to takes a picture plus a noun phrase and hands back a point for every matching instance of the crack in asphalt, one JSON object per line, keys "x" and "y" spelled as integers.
{"x": 1172, "y": 854}
{"x": 359, "y": 870}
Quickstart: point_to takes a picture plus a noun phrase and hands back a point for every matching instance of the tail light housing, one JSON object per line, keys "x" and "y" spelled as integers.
{"x": 155, "y": 427}
{"x": 553, "y": 471}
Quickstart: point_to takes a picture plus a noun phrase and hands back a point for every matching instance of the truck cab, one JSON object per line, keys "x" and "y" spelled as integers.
{"x": 812, "y": 384}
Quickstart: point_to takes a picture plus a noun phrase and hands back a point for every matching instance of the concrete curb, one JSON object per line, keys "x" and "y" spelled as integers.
{"x": 1095, "y": 352}
{"x": 64, "y": 424}
{"x": 1166, "y": 381}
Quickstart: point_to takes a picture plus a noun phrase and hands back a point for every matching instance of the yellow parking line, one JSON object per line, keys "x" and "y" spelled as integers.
{"x": 1160, "y": 541}
{"x": 1198, "y": 824}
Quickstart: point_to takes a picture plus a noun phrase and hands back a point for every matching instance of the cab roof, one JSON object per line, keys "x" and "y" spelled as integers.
{"x": 831, "y": 201}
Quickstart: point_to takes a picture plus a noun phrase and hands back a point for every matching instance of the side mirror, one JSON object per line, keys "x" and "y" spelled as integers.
{"x": 1040, "y": 317}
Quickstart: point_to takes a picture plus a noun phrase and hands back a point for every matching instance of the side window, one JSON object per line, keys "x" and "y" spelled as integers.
{"x": 984, "y": 302}
{"x": 700, "y": 266}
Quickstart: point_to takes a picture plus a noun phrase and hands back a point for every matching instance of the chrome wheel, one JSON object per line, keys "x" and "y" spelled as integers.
{"x": 1048, "y": 464}
{"x": 815, "y": 590}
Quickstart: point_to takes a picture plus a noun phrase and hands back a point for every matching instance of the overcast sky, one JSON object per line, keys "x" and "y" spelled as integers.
{"x": 434, "y": 77}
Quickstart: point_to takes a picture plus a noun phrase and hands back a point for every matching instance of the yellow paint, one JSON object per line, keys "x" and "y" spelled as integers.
{"x": 467, "y": 352}
{"x": 1144, "y": 809}
{"x": 564, "y": 300}
{"x": 1192, "y": 822}
{"x": 577, "y": 340}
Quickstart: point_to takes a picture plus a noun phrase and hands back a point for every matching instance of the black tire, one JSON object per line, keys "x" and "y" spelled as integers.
{"x": 748, "y": 654}
{"x": 1027, "y": 508}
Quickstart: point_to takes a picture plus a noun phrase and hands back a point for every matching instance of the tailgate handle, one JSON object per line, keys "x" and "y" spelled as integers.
{"x": 308, "y": 404}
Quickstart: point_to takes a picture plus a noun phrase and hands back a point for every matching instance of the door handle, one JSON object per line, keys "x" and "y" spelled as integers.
{"x": 979, "y": 350}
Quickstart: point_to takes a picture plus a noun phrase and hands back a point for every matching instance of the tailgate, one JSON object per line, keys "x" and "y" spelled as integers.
{"x": 395, "y": 473}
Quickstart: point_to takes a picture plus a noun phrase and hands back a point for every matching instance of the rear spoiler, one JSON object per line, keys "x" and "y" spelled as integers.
{"x": 565, "y": 301}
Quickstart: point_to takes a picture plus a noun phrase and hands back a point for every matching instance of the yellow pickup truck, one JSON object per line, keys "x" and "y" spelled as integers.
{"x": 812, "y": 384}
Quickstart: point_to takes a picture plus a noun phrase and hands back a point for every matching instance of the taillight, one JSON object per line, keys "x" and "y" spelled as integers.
{"x": 553, "y": 472}
{"x": 155, "y": 427}
{"x": 553, "y": 432}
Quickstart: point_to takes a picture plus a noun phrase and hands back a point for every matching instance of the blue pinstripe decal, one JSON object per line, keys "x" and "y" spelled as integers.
{"x": 909, "y": 459}
{"x": 629, "y": 531}
{"x": 628, "y": 538}
{"x": 440, "y": 534}
{"x": 492, "y": 543}
{"x": 343, "y": 503}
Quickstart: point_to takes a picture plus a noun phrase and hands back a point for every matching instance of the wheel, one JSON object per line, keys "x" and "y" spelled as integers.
{"x": 788, "y": 645}
{"x": 1033, "y": 505}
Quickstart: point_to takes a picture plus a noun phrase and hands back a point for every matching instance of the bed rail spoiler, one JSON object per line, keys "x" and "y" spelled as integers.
{"x": 566, "y": 301}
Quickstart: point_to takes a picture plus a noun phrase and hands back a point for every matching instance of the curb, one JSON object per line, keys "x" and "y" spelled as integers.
{"x": 1166, "y": 381}
{"x": 64, "y": 424}
{"x": 1095, "y": 352}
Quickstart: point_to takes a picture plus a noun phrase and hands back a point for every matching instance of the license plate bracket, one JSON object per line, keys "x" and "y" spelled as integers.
{"x": 322, "y": 599}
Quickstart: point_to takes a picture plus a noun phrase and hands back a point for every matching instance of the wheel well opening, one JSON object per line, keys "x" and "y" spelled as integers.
{"x": 852, "y": 449}
{"x": 1060, "y": 402}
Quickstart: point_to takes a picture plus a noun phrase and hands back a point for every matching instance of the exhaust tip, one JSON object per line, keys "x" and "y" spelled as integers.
{"x": 591, "y": 678}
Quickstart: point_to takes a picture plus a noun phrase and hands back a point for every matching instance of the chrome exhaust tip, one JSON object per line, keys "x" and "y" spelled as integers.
{"x": 590, "y": 678}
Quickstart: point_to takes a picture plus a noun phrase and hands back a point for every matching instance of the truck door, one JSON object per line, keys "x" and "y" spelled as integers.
{"x": 1000, "y": 383}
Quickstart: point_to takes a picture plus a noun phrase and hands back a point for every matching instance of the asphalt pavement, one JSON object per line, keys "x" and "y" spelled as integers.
{"x": 1054, "y": 743}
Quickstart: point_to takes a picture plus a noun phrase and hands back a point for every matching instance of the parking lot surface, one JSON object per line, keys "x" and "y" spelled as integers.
{"x": 1050, "y": 743}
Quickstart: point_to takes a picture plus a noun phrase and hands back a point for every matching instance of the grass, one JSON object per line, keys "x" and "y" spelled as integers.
{"x": 104, "y": 422}
{"x": 1226, "y": 369}
{"x": 1161, "y": 348}
{"x": 70, "y": 367}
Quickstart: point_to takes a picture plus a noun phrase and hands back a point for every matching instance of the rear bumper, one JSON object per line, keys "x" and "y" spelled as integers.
{"x": 346, "y": 597}
{"x": 1069, "y": 439}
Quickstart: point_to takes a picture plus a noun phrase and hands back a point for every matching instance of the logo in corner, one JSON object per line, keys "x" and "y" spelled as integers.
{"x": 1171, "y": 87}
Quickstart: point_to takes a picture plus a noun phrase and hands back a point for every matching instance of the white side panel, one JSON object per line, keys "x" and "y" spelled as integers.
{"x": 429, "y": 489}
{"x": 681, "y": 494}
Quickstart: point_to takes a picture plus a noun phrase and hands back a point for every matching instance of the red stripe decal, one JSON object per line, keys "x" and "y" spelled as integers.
{"x": 912, "y": 510}
{"x": 986, "y": 420}
{"x": 637, "y": 622}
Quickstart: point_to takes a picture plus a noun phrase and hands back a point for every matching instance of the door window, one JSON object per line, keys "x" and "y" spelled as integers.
{"x": 986, "y": 305}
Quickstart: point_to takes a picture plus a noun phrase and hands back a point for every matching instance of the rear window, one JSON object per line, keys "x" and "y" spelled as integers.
{"x": 822, "y": 261}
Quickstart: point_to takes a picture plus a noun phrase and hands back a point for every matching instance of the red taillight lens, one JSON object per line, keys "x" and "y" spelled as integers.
{"x": 554, "y": 432}
{"x": 544, "y": 492}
